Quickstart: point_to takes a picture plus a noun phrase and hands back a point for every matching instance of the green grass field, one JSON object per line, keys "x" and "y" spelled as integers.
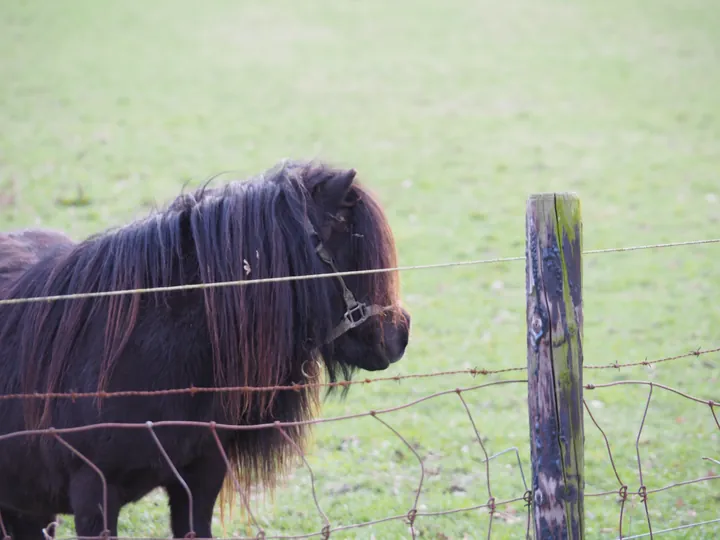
{"x": 454, "y": 113}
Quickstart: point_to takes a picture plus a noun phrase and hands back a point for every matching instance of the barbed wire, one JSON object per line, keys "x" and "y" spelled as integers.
{"x": 696, "y": 353}
{"x": 327, "y": 529}
{"x": 192, "y": 390}
{"x": 260, "y": 281}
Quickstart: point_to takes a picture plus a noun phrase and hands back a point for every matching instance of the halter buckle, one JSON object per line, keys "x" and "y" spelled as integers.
{"x": 356, "y": 315}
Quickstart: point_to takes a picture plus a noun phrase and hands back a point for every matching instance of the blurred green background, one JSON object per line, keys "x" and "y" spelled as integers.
{"x": 453, "y": 113}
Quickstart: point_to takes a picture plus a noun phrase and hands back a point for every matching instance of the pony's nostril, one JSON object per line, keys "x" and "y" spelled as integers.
{"x": 403, "y": 339}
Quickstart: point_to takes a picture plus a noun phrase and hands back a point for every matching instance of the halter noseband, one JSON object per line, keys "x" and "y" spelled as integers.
{"x": 356, "y": 312}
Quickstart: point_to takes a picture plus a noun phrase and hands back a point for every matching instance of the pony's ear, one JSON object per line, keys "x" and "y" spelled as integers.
{"x": 331, "y": 190}
{"x": 184, "y": 205}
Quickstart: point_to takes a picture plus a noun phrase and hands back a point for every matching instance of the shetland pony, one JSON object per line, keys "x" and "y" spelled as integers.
{"x": 297, "y": 218}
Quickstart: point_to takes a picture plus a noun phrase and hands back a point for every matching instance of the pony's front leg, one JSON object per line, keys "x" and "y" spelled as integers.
{"x": 86, "y": 498}
{"x": 204, "y": 478}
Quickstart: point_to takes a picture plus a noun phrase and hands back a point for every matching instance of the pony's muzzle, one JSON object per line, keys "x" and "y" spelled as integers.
{"x": 401, "y": 338}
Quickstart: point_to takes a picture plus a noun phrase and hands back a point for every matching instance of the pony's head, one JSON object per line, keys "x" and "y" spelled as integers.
{"x": 296, "y": 219}
{"x": 351, "y": 233}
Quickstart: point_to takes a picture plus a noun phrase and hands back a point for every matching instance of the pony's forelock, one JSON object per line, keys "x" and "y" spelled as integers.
{"x": 376, "y": 251}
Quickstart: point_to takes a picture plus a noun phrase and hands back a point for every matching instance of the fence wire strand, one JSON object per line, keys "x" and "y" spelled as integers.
{"x": 695, "y": 353}
{"x": 243, "y": 283}
{"x": 473, "y": 372}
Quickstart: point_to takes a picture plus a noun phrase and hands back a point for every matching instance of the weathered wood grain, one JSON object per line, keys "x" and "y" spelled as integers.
{"x": 555, "y": 358}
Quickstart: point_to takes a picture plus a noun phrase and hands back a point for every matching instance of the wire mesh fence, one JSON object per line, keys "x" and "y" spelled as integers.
{"x": 639, "y": 489}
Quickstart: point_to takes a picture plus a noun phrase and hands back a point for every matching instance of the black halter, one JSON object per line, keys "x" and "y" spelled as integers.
{"x": 356, "y": 312}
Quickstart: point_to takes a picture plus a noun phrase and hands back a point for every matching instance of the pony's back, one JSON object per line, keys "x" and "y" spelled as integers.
{"x": 20, "y": 250}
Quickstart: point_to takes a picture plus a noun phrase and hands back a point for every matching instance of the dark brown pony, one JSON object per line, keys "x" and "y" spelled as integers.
{"x": 296, "y": 219}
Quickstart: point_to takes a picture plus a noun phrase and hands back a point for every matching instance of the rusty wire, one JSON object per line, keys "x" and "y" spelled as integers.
{"x": 642, "y": 493}
{"x": 472, "y": 372}
{"x": 327, "y": 529}
{"x": 623, "y": 492}
{"x": 250, "y": 427}
{"x": 411, "y": 516}
{"x": 696, "y": 353}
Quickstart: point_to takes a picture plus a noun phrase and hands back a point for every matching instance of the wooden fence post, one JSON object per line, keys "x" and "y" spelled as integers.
{"x": 553, "y": 269}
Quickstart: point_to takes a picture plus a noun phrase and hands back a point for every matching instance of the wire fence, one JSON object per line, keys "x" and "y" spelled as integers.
{"x": 623, "y": 494}
{"x": 281, "y": 427}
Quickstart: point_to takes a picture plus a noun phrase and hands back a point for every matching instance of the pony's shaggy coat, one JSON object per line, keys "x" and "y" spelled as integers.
{"x": 256, "y": 335}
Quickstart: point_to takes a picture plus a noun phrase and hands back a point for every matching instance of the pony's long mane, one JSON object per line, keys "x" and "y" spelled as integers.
{"x": 261, "y": 334}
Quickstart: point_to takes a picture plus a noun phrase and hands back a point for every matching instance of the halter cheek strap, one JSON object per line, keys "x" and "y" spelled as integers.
{"x": 356, "y": 312}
